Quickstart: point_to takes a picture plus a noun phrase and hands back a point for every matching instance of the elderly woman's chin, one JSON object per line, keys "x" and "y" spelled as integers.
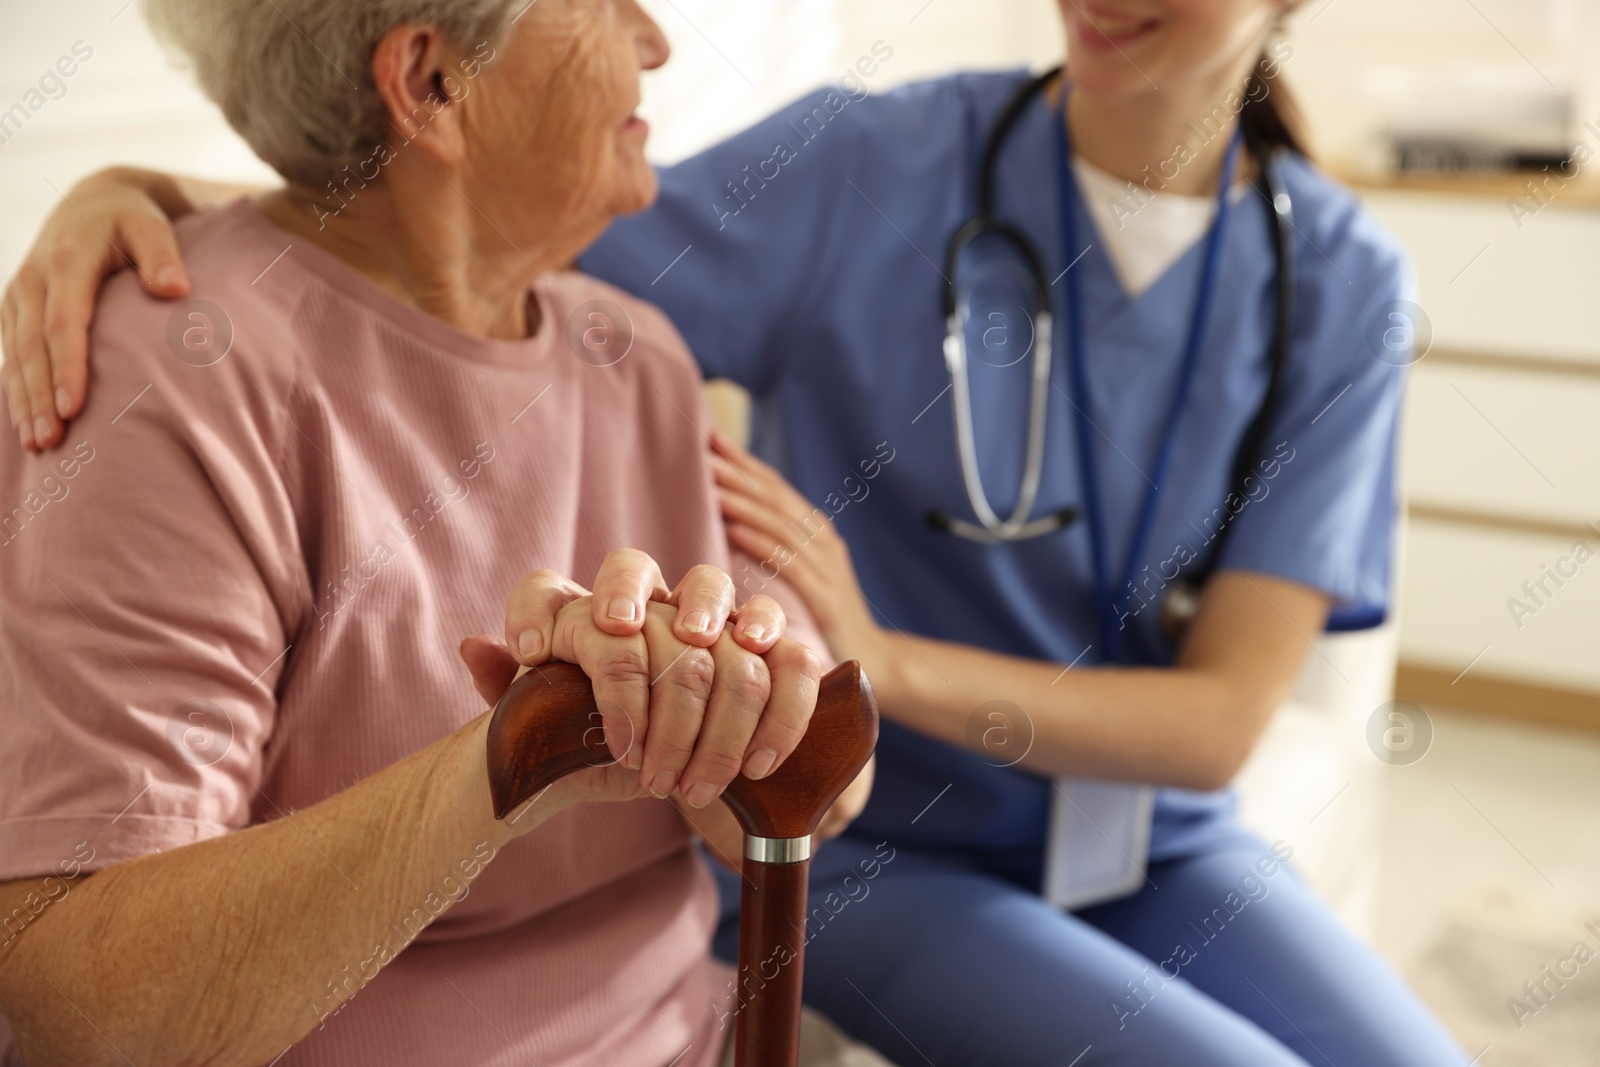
{"x": 637, "y": 185}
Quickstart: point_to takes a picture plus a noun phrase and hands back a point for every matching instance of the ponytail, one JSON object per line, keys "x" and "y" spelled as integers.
{"x": 1270, "y": 113}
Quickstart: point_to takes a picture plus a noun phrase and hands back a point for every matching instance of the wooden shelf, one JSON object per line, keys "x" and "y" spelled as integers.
{"x": 1488, "y": 694}
{"x": 1581, "y": 192}
{"x": 1576, "y": 366}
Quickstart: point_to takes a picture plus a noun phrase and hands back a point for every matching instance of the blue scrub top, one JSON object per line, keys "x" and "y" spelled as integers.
{"x": 804, "y": 260}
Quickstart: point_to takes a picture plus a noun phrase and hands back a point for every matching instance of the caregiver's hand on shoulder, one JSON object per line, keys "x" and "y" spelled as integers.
{"x": 112, "y": 219}
{"x": 690, "y": 692}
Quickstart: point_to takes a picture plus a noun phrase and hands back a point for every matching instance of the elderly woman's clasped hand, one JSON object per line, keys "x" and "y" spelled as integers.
{"x": 692, "y": 690}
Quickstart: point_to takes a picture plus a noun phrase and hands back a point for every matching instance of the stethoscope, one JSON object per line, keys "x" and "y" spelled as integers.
{"x": 1181, "y": 597}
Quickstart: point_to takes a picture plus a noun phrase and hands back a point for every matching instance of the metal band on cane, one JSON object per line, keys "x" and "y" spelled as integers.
{"x": 777, "y": 849}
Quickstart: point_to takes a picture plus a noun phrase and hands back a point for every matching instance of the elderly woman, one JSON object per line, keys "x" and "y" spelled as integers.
{"x": 231, "y": 604}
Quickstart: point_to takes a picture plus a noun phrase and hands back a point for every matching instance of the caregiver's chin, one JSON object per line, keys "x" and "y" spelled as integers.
{"x": 506, "y": 160}
{"x": 1131, "y": 48}
{"x": 1143, "y": 71}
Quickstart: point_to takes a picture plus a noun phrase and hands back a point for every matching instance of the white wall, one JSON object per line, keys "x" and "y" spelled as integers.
{"x": 125, "y": 104}
{"x": 1336, "y": 40}
{"x": 734, "y": 61}
{"x": 1334, "y": 43}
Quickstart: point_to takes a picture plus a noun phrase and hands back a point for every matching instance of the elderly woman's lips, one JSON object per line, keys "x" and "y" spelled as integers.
{"x": 635, "y": 124}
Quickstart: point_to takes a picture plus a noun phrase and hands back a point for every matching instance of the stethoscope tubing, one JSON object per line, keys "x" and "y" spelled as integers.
{"x": 990, "y": 528}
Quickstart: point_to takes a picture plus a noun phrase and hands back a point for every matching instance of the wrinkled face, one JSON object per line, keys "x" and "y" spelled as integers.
{"x": 552, "y": 144}
{"x": 1121, "y": 47}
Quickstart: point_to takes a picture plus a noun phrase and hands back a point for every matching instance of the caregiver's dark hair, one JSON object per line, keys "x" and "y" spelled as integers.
{"x": 1270, "y": 112}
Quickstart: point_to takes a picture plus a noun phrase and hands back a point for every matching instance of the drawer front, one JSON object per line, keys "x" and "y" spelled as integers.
{"x": 1463, "y": 591}
{"x": 1504, "y": 442}
{"x": 1489, "y": 286}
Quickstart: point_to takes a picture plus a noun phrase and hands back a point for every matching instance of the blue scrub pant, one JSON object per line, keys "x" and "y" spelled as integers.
{"x": 936, "y": 960}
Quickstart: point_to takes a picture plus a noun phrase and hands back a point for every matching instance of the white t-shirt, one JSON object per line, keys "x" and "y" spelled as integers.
{"x": 1144, "y": 233}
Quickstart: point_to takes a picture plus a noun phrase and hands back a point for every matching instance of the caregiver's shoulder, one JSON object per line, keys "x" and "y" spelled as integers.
{"x": 905, "y": 122}
{"x": 1341, "y": 230}
{"x": 978, "y": 92}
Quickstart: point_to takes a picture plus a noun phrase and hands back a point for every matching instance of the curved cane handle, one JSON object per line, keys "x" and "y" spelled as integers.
{"x": 546, "y": 727}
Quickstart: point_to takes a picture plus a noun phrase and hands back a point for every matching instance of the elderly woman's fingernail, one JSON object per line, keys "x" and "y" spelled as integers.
{"x": 754, "y": 632}
{"x": 697, "y": 622}
{"x": 41, "y": 428}
{"x": 759, "y": 765}
{"x": 664, "y": 783}
{"x": 622, "y": 609}
{"x": 530, "y": 643}
{"x": 700, "y": 794}
{"x": 169, "y": 276}
{"x": 63, "y": 401}
{"x": 25, "y": 428}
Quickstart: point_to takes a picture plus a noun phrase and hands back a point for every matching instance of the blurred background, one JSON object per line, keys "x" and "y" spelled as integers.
{"x": 1469, "y": 850}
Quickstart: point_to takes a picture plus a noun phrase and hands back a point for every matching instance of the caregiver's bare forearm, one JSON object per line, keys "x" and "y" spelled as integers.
{"x": 1191, "y": 725}
{"x": 1164, "y": 726}
{"x": 176, "y": 194}
{"x": 228, "y": 951}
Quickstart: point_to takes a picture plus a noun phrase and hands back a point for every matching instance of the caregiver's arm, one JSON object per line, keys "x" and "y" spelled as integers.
{"x": 1191, "y": 725}
{"x": 118, "y": 217}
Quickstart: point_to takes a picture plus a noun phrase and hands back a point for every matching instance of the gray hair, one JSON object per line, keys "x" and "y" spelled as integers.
{"x": 294, "y": 77}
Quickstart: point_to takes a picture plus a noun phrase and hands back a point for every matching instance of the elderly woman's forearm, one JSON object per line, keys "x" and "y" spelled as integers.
{"x": 229, "y": 951}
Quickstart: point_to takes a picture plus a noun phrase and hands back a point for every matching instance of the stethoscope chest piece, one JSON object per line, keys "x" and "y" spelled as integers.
{"x": 989, "y": 527}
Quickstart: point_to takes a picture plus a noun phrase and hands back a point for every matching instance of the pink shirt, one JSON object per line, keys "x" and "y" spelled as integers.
{"x": 239, "y": 586}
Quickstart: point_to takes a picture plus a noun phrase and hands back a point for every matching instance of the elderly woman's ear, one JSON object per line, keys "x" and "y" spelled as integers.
{"x": 417, "y": 73}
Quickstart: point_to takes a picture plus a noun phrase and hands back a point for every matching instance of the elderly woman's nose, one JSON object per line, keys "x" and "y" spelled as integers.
{"x": 653, "y": 46}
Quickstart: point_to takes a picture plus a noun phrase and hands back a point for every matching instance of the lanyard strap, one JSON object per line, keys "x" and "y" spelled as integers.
{"x": 1111, "y": 606}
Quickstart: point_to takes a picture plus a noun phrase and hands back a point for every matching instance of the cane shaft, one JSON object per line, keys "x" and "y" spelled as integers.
{"x": 546, "y": 726}
{"x": 772, "y": 944}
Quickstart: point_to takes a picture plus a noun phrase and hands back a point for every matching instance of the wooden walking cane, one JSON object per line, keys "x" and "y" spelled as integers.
{"x": 546, "y": 727}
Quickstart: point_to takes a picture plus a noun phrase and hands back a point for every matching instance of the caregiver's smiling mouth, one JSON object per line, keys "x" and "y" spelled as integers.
{"x": 1102, "y": 27}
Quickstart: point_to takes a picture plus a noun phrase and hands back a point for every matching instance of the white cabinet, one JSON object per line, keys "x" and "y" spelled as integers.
{"x": 1501, "y": 456}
